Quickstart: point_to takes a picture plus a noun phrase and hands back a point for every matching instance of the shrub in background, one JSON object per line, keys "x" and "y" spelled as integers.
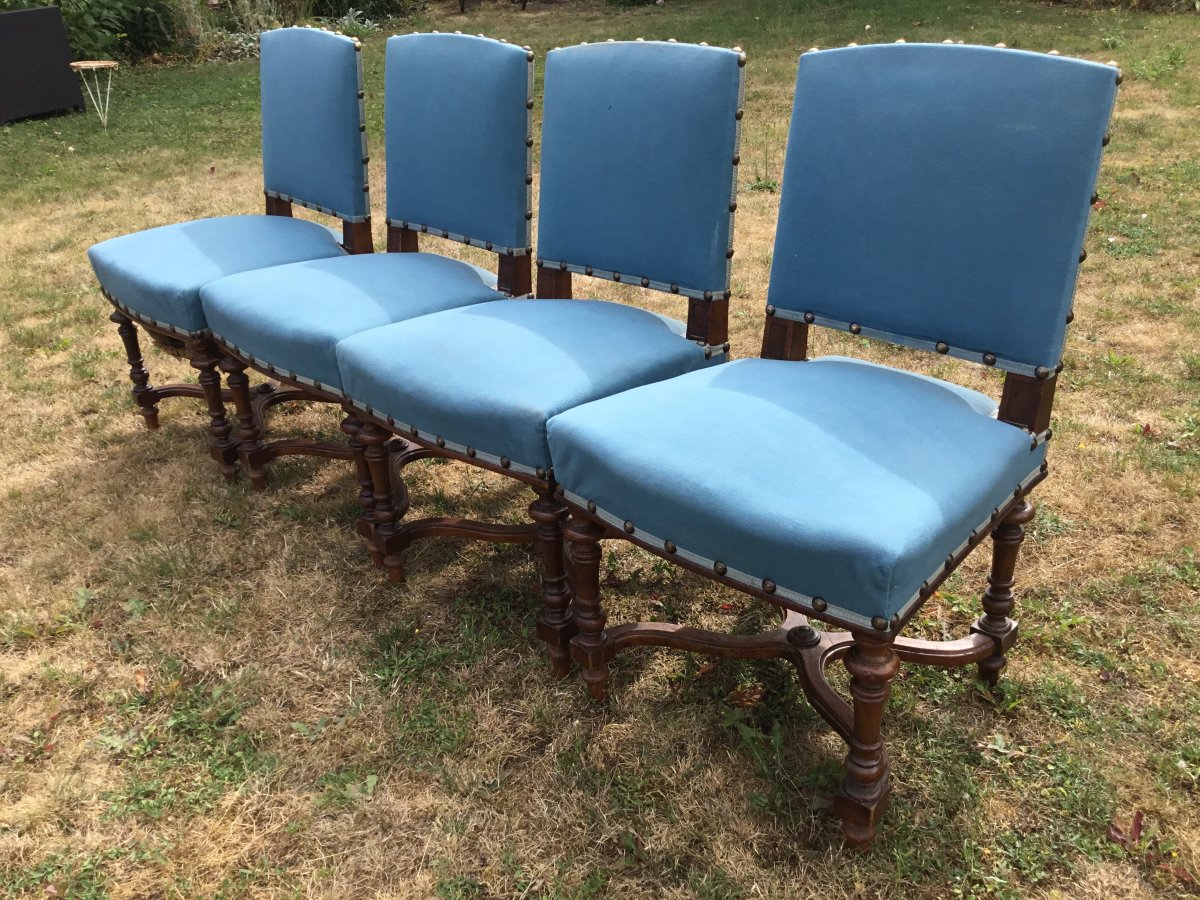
{"x": 100, "y": 29}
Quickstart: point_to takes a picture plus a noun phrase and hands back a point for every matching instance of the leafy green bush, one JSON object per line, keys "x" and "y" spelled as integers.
{"x": 99, "y": 29}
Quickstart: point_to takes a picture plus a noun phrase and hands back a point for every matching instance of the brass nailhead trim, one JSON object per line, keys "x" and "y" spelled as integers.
{"x": 440, "y": 441}
{"x": 855, "y": 328}
{"x": 505, "y": 462}
{"x": 770, "y": 310}
{"x": 989, "y": 359}
{"x": 591, "y": 506}
{"x": 669, "y": 546}
{"x": 819, "y": 604}
{"x": 879, "y": 623}
{"x": 471, "y": 452}
{"x": 809, "y": 318}
{"x": 720, "y": 568}
{"x": 645, "y": 282}
{"x": 587, "y": 270}
{"x": 540, "y": 472}
{"x": 1042, "y": 372}
{"x": 943, "y": 347}
{"x": 768, "y": 585}
{"x": 628, "y": 526}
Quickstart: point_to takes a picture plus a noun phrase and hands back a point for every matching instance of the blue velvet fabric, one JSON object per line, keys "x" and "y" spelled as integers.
{"x": 637, "y": 173}
{"x": 456, "y": 124}
{"x": 313, "y": 149}
{"x": 833, "y": 479}
{"x": 292, "y": 317}
{"x": 981, "y": 403}
{"x": 490, "y": 376}
{"x": 941, "y": 193}
{"x": 158, "y": 273}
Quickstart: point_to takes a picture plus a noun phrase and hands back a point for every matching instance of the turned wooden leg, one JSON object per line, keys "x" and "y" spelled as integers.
{"x": 224, "y": 447}
{"x": 352, "y": 427}
{"x": 998, "y": 598}
{"x": 143, "y": 394}
{"x": 248, "y": 433}
{"x": 557, "y": 624}
{"x": 590, "y": 646}
{"x": 383, "y": 505}
{"x": 863, "y": 796}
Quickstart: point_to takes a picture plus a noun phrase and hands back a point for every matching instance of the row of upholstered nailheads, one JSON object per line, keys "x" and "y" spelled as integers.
{"x": 461, "y": 238}
{"x": 819, "y": 604}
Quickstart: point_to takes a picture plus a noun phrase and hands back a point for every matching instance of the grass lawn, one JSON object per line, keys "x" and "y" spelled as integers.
{"x": 209, "y": 692}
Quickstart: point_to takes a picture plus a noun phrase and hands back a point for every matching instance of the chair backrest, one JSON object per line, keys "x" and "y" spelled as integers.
{"x": 937, "y": 196}
{"x": 639, "y": 170}
{"x": 458, "y": 111}
{"x": 314, "y": 131}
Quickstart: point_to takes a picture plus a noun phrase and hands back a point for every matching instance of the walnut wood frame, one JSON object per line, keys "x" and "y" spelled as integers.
{"x": 872, "y": 655}
{"x": 513, "y": 277}
{"x": 204, "y": 355}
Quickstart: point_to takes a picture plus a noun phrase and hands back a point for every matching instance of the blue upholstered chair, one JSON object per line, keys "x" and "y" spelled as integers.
{"x": 934, "y": 197}
{"x": 314, "y": 155}
{"x": 638, "y": 165}
{"x": 458, "y": 129}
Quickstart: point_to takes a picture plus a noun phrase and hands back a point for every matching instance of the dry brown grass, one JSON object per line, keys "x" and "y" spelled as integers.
{"x": 405, "y": 741}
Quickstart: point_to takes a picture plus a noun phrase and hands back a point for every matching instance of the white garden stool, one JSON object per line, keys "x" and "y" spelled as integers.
{"x": 100, "y": 99}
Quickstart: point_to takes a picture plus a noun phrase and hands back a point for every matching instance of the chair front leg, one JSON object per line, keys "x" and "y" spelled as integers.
{"x": 383, "y": 505}
{"x": 590, "y": 646}
{"x": 863, "y": 797}
{"x": 352, "y": 427}
{"x": 249, "y": 434}
{"x": 557, "y": 625}
{"x": 204, "y": 358}
{"x": 998, "y": 599}
{"x": 143, "y": 394}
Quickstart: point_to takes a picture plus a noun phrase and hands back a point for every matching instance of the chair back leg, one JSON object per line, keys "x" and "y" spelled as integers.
{"x": 557, "y": 624}
{"x": 590, "y": 647}
{"x": 204, "y": 357}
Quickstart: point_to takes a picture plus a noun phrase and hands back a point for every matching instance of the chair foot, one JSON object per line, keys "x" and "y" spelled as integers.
{"x": 144, "y": 395}
{"x": 591, "y": 647}
{"x": 998, "y": 599}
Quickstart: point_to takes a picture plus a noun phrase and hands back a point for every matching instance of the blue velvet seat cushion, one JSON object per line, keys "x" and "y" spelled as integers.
{"x": 489, "y": 377}
{"x": 833, "y": 479}
{"x": 292, "y": 317}
{"x": 158, "y": 273}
